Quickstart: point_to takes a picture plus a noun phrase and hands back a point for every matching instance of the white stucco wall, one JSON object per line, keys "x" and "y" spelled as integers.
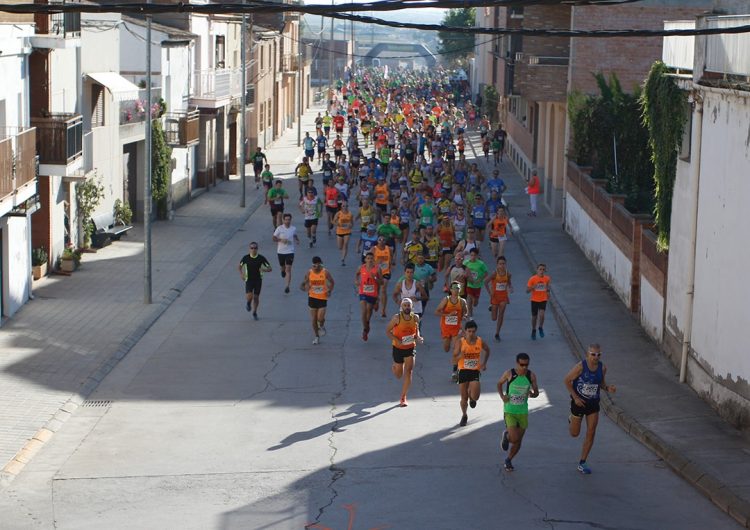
{"x": 204, "y": 48}
{"x": 612, "y": 264}
{"x": 94, "y": 40}
{"x": 175, "y": 76}
{"x": 652, "y": 310}
{"x": 65, "y": 80}
{"x": 16, "y": 263}
{"x": 721, "y": 366}
{"x": 133, "y": 49}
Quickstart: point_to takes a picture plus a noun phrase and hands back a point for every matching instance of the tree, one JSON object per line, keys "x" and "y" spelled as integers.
{"x": 457, "y": 47}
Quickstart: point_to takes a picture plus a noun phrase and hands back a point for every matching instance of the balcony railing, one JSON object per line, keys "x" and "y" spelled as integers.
{"x": 677, "y": 51}
{"x": 18, "y": 160}
{"x": 59, "y": 138}
{"x": 134, "y": 110}
{"x": 290, "y": 63}
{"x": 182, "y": 128}
{"x": 66, "y": 25}
{"x": 727, "y": 53}
{"x": 217, "y": 84}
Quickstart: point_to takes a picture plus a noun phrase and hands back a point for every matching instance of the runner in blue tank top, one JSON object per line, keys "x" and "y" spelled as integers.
{"x": 584, "y": 382}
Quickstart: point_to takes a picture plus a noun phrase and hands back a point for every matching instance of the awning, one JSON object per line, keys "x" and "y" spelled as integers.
{"x": 121, "y": 88}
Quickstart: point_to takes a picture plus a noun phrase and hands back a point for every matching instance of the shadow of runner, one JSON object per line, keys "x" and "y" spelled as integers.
{"x": 335, "y": 426}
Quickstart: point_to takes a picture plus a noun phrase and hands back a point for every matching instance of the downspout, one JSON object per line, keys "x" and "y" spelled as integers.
{"x": 695, "y": 173}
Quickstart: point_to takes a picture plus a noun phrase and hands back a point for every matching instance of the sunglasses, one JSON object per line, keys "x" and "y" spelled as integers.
{"x": 595, "y": 354}
{"x": 523, "y": 365}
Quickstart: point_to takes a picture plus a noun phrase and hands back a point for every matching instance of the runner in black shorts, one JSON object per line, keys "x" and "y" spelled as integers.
{"x": 251, "y": 267}
{"x": 470, "y": 354}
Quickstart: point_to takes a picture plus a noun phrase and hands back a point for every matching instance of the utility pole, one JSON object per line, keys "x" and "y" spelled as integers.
{"x": 300, "y": 63}
{"x": 243, "y": 109}
{"x": 147, "y": 180}
{"x": 330, "y": 61}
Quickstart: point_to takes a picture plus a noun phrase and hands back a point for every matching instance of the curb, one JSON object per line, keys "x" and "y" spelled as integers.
{"x": 27, "y": 452}
{"x": 706, "y": 483}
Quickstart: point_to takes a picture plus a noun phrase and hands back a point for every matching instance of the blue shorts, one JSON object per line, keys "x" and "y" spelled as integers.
{"x": 372, "y": 300}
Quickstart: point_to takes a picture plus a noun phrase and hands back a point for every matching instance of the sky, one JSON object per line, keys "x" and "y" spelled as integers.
{"x": 429, "y": 15}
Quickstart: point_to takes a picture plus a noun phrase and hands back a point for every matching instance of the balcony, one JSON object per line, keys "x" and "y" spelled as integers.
{"x": 182, "y": 128}
{"x": 677, "y": 51}
{"x": 18, "y": 161}
{"x": 727, "y": 53}
{"x": 57, "y": 30}
{"x": 134, "y": 110}
{"x": 215, "y": 88}
{"x": 59, "y": 142}
{"x": 290, "y": 64}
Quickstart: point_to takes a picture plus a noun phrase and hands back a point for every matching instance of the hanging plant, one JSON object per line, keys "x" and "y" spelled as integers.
{"x": 664, "y": 110}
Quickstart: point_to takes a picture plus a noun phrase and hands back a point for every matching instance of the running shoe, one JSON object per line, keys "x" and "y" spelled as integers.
{"x": 497, "y": 337}
{"x": 311, "y": 244}
{"x": 283, "y": 272}
{"x": 472, "y": 403}
{"x": 286, "y": 290}
{"x": 464, "y": 420}
{"x": 403, "y": 402}
{"x": 248, "y": 307}
{"x": 316, "y": 340}
{"x": 343, "y": 263}
{"x": 364, "y": 335}
{"x": 533, "y": 335}
{"x": 255, "y": 316}
{"x": 506, "y": 442}
{"x": 508, "y": 465}
{"x": 321, "y": 329}
{"x": 315, "y": 239}
{"x": 541, "y": 333}
{"x": 454, "y": 376}
{"x": 584, "y": 468}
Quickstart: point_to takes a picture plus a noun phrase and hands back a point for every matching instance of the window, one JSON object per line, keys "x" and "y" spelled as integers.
{"x": 262, "y": 116}
{"x": 97, "y": 105}
{"x": 270, "y": 114}
{"x": 219, "y": 59}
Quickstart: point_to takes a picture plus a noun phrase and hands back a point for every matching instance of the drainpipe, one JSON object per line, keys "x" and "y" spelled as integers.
{"x": 695, "y": 173}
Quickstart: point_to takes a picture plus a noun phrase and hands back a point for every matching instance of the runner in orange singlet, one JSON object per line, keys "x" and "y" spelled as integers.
{"x": 467, "y": 354}
{"x": 318, "y": 283}
{"x": 452, "y": 311}
{"x": 403, "y": 330}
{"x": 498, "y": 286}
{"x": 383, "y": 258}
{"x": 367, "y": 281}
{"x": 344, "y": 219}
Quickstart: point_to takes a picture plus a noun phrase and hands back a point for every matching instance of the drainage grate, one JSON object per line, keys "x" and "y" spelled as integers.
{"x": 97, "y": 403}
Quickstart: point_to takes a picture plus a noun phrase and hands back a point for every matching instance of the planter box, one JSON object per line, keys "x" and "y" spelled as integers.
{"x": 39, "y": 271}
{"x": 67, "y": 265}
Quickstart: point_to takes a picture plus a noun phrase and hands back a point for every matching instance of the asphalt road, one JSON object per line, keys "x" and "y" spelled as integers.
{"x": 216, "y": 421}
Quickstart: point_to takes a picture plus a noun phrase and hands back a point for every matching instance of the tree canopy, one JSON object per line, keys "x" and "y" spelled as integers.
{"x": 457, "y": 47}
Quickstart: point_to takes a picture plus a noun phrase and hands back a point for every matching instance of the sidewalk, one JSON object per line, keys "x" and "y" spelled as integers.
{"x": 650, "y": 404}
{"x": 61, "y": 345}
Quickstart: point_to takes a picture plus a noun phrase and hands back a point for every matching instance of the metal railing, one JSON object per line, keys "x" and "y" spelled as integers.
{"x": 217, "y": 84}
{"x": 182, "y": 128}
{"x": 59, "y": 138}
{"x": 18, "y": 160}
{"x": 66, "y": 25}
{"x": 134, "y": 110}
{"x": 728, "y": 53}
{"x": 290, "y": 63}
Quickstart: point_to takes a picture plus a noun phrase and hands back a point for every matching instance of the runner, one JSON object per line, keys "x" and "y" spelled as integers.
{"x": 499, "y": 232}
{"x": 344, "y": 219}
{"x": 308, "y": 143}
{"x": 327, "y": 124}
{"x": 447, "y": 238}
{"x": 539, "y": 287}
{"x": 275, "y": 198}
{"x": 311, "y": 207}
{"x": 329, "y": 168}
{"x": 498, "y": 286}
{"x": 252, "y": 266}
{"x": 367, "y": 281}
{"x": 332, "y": 203}
{"x": 403, "y": 331}
{"x": 584, "y": 381}
{"x": 318, "y": 284}
{"x": 259, "y": 159}
{"x": 367, "y": 240}
{"x": 409, "y": 287}
{"x": 285, "y": 236}
{"x": 303, "y": 171}
{"x": 266, "y": 178}
{"x": 383, "y": 259}
{"x": 322, "y": 142}
{"x": 476, "y": 271}
{"x": 515, "y": 387}
{"x": 452, "y": 311}
{"x": 467, "y": 355}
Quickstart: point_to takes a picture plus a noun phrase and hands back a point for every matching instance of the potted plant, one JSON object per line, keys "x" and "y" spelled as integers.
{"x": 123, "y": 213}
{"x": 39, "y": 262}
{"x": 70, "y": 259}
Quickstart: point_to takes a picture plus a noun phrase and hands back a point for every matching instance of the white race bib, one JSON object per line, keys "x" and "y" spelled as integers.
{"x": 541, "y": 286}
{"x": 407, "y": 339}
{"x": 368, "y": 289}
{"x": 500, "y": 286}
{"x": 451, "y": 320}
{"x": 471, "y": 364}
{"x": 317, "y": 289}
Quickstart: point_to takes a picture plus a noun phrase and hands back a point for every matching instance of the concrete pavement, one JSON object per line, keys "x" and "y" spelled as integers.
{"x": 651, "y": 405}
{"x": 215, "y": 421}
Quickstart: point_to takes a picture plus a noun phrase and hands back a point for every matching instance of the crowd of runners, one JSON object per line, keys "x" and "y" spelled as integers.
{"x": 425, "y": 224}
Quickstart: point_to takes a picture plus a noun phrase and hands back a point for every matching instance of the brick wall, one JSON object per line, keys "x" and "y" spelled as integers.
{"x": 544, "y": 82}
{"x": 630, "y": 58}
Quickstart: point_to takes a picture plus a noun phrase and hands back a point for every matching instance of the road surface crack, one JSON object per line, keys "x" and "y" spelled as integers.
{"x": 267, "y": 375}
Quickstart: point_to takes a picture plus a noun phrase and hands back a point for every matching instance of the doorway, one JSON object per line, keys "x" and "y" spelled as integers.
{"x": 130, "y": 179}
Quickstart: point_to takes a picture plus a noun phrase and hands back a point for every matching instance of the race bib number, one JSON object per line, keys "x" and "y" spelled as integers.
{"x": 451, "y": 320}
{"x": 518, "y": 399}
{"x": 471, "y": 364}
{"x": 588, "y": 390}
{"x": 345, "y": 226}
{"x": 407, "y": 339}
{"x": 501, "y": 286}
{"x": 369, "y": 289}
{"x": 383, "y": 266}
{"x": 541, "y": 286}
{"x": 318, "y": 289}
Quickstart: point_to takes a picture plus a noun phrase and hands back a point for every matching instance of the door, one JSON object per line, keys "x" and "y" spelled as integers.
{"x": 130, "y": 179}
{"x": 233, "y": 149}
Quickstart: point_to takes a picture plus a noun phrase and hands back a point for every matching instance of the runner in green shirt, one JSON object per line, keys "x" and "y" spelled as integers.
{"x": 275, "y": 198}
{"x": 476, "y": 272}
{"x": 516, "y": 386}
